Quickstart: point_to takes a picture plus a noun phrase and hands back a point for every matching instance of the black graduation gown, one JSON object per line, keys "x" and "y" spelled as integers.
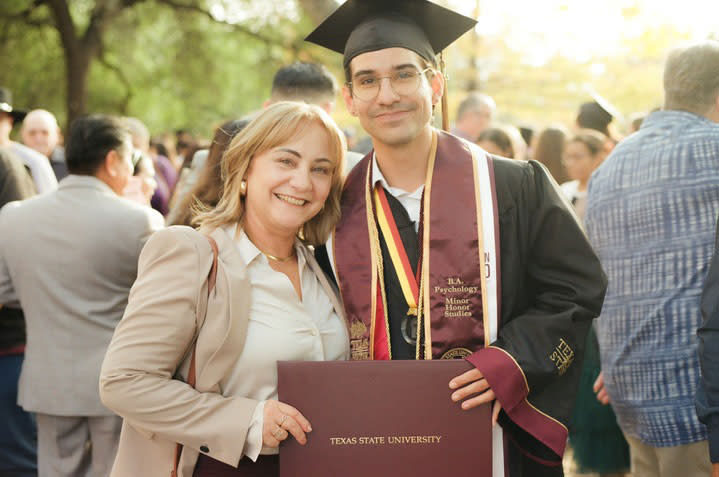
{"x": 552, "y": 286}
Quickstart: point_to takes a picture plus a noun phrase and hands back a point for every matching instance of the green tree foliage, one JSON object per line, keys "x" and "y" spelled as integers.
{"x": 194, "y": 63}
{"x": 168, "y": 62}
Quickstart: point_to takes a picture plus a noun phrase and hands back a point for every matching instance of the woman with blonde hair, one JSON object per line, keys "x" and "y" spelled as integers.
{"x": 193, "y": 361}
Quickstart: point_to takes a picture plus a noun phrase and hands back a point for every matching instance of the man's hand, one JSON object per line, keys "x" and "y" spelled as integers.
{"x": 602, "y": 395}
{"x": 470, "y": 383}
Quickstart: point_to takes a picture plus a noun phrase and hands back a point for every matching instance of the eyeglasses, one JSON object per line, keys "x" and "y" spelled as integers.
{"x": 403, "y": 83}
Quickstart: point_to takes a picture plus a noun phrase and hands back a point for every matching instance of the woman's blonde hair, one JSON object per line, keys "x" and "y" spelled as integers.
{"x": 273, "y": 127}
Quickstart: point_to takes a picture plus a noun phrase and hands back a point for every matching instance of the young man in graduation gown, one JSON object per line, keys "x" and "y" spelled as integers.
{"x": 444, "y": 251}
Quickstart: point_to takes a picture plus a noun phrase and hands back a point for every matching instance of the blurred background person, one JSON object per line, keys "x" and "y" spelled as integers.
{"x": 707, "y": 399}
{"x": 210, "y": 186}
{"x": 41, "y": 132}
{"x": 283, "y": 178}
{"x": 474, "y": 115}
{"x": 496, "y": 141}
{"x": 583, "y": 153}
{"x": 15, "y": 180}
{"x": 598, "y": 116}
{"x": 527, "y": 134}
{"x": 69, "y": 258}
{"x": 549, "y": 150}
{"x": 164, "y": 145}
{"x": 165, "y": 174}
{"x": 184, "y": 142}
{"x": 635, "y": 122}
{"x": 651, "y": 216}
{"x": 519, "y": 146}
{"x": 42, "y": 174}
{"x": 313, "y": 84}
{"x": 18, "y": 439}
{"x": 598, "y": 445}
{"x": 142, "y": 185}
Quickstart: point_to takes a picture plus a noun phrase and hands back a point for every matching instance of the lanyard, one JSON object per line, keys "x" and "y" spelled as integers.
{"x": 408, "y": 281}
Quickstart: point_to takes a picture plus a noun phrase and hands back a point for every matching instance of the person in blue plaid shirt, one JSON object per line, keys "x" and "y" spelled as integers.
{"x": 651, "y": 212}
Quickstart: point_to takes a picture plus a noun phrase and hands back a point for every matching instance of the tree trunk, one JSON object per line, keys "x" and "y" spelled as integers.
{"x": 77, "y": 62}
{"x": 80, "y": 51}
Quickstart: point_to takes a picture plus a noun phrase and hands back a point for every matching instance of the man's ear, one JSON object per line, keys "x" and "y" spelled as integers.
{"x": 349, "y": 100}
{"x": 110, "y": 163}
{"x": 437, "y": 85}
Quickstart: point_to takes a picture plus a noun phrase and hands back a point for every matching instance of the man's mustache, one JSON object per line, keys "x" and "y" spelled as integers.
{"x": 397, "y": 108}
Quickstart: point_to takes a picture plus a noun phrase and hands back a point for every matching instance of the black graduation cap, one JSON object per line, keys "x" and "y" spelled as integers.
{"x": 6, "y": 105}
{"x": 361, "y": 26}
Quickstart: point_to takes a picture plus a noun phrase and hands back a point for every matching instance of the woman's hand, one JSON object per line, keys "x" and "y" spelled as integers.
{"x": 470, "y": 383}
{"x": 281, "y": 420}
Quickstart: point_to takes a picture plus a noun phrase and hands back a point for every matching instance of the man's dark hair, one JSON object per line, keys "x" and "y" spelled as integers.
{"x": 89, "y": 141}
{"x": 308, "y": 82}
{"x": 500, "y": 138}
{"x": 593, "y": 116}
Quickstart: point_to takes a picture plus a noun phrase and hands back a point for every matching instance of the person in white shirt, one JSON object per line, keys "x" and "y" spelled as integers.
{"x": 270, "y": 302}
{"x": 584, "y": 152}
{"x": 42, "y": 174}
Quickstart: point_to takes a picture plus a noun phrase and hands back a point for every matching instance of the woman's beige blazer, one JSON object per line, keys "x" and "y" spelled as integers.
{"x": 153, "y": 341}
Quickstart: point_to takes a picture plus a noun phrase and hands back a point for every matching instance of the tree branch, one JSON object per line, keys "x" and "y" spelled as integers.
{"x": 179, "y": 5}
{"x": 25, "y": 16}
{"x": 121, "y": 76}
{"x": 64, "y": 24}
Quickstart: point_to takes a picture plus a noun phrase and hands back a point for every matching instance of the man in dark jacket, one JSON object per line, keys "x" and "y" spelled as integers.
{"x": 18, "y": 442}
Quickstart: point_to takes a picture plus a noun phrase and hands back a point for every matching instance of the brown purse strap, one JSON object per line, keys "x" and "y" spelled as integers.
{"x": 191, "y": 374}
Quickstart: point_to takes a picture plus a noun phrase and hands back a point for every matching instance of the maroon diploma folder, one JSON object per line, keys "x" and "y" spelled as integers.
{"x": 383, "y": 419}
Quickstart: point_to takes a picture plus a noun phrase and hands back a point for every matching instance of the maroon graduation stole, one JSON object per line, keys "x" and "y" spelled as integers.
{"x": 458, "y": 257}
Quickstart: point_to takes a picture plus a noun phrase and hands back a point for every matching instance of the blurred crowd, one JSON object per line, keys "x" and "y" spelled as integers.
{"x": 648, "y": 200}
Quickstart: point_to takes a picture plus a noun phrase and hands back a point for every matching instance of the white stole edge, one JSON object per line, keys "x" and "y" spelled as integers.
{"x": 491, "y": 248}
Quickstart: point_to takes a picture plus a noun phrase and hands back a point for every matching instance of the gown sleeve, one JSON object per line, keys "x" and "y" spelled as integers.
{"x": 552, "y": 288}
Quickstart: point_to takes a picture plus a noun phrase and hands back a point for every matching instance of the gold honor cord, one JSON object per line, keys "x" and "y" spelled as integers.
{"x": 445, "y": 100}
{"x": 422, "y": 322}
{"x": 377, "y": 270}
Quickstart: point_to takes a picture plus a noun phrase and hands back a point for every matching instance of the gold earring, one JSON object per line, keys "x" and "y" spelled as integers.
{"x": 243, "y": 188}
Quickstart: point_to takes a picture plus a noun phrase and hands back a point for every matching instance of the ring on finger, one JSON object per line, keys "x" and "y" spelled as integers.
{"x": 284, "y": 418}
{"x": 277, "y": 433}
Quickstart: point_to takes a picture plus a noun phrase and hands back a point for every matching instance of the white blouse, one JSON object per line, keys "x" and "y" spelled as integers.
{"x": 281, "y": 327}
